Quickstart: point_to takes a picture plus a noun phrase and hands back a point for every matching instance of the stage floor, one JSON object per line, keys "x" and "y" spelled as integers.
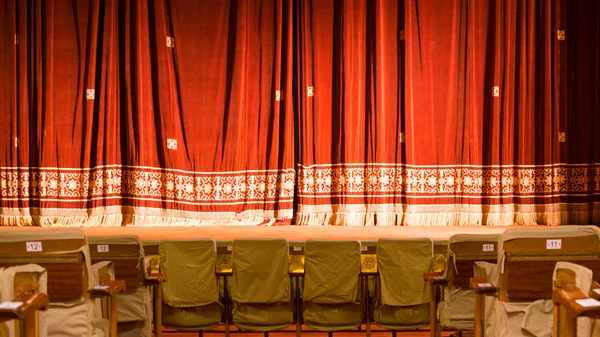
{"x": 300, "y": 233}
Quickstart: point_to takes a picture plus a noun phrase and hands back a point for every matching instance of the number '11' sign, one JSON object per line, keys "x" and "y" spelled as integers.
{"x": 554, "y": 244}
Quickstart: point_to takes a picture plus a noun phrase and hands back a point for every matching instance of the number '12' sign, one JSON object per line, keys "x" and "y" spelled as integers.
{"x": 33, "y": 246}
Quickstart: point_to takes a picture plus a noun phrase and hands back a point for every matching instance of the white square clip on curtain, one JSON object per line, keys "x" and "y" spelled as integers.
{"x": 172, "y": 144}
{"x": 90, "y": 94}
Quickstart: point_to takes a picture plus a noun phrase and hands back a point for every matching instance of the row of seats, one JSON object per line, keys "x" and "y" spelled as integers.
{"x": 329, "y": 294}
{"x": 52, "y": 270}
{"x": 516, "y": 296}
{"x": 176, "y": 283}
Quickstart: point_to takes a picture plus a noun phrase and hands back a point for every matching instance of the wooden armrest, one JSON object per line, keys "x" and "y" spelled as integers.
{"x": 22, "y": 305}
{"x": 595, "y": 290}
{"x": 481, "y": 285}
{"x": 435, "y": 278}
{"x": 155, "y": 278}
{"x": 108, "y": 288}
{"x": 574, "y": 300}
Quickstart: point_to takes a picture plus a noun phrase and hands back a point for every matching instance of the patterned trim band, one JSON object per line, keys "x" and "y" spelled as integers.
{"x": 147, "y": 184}
{"x": 386, "y": 179}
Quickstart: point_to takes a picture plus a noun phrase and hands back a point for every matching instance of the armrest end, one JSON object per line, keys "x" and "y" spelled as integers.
{"x": 481, "y": 286}
{"x": 435, "y": 278}
{"x": 22, "y": 305}
{"x": 574, "y": 300}
{"x": 108, "y": 288}
{"x": 155, "y": 278}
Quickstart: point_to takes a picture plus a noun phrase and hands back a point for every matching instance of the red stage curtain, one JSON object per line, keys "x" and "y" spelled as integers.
{"x": 413, "y": 112}
{"x": 582, "y": 119}
{"x": 146, "y": 112}
{"x": 482, "y": 137}
{"x": 351, "y": 98}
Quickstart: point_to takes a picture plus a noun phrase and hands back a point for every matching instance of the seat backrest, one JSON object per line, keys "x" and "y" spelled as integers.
{"x": 440, "y": 250}
{"x": 151, "y": 255}
{"x": 260, "y": 271}
{"x": 189, "y": 268}
{"x": 402, "y": 263}
{"x": 527, "y": 258}
{"x": 570, "y": 275}
{"x": 331, "y": 271}
{"x": 26, "y": 280}
{"x": 573, "y": 275}
{"x": 63, "y": 252}
{"x": 463, "y": 251}
{"x": 126, "y": 254}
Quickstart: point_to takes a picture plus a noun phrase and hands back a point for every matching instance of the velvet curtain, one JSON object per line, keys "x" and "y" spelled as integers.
{"x": 460, "y": 115}
{"x": 582, "y": 119}
{"x": 348, "y": 112}
{"x": 146, "y": 112}
{"x": 351, "y": 56}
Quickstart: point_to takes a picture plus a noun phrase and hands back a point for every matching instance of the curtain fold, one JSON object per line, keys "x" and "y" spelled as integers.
{"x": 147, "y": 112}
{"x": 322, "y": 112}
{"x": 498, "y": 115}
{"x": 479, "y": 136}
{"x": 581, "y": 118}
{"x": 351, "y": 95}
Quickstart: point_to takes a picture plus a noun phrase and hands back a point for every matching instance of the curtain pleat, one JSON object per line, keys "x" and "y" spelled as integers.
{"x": 317, "y": 112}
{"x": 147, "y": 112}
{"x": 351, "y": 95}
{"x": 478, "y": 136}
{"x": 580, "y": 119}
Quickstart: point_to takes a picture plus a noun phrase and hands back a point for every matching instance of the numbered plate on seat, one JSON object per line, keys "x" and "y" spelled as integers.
{"x": 554, "y": 244}
{"x": 33, "y": 246}
{"x": 103, "y": 249}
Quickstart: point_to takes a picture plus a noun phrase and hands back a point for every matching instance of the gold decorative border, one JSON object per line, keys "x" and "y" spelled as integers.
{"x": 447, "y": 181}
{"x": 149, "y": 184}
{"x": 448, "y": 214}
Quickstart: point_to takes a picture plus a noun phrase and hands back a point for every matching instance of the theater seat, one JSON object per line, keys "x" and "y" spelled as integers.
{"x": 331, "y": 294}
{"x": 72, "y": 283}
{"x": 520, "y": 284}
{"x": 190, "y": 292}
{"x": 402, "y": 294}
{"x": 260, "y": 285}
{"x": 568, "y": 276}
{"x": 18, "y": 282}
{"x": 457, "y": 309}
{"x": 134, "y": 305}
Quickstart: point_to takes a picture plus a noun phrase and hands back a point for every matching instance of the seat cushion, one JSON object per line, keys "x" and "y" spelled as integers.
{"x": 135, "y": 329}
{"x": 192, "y": 318}
{"x": 401, "y": 317}
{"x": 70, "y": 320}
{"x": 521, "y": 319}
{"x": 332, "y": 317}
{"x": 457, "y": 311}
{"x": 263, "y": 316}
{"x": 101, "y": 328}
{"x": 135, "y": 313}
{"x": 134, "y": 305}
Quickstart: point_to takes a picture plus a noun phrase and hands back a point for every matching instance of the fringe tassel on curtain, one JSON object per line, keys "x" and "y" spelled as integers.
{"x": 448, "y": 219}
{"x": 115, "y": 220}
